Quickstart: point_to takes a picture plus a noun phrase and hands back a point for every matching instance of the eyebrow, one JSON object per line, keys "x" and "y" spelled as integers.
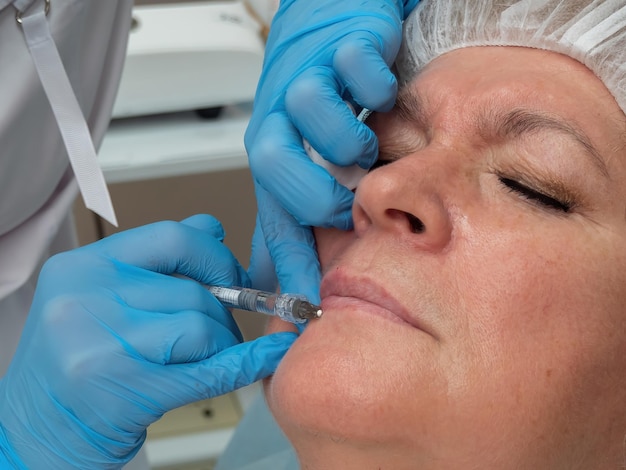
{"x": 410, "y": 107}
{"x": 509, "y": 124}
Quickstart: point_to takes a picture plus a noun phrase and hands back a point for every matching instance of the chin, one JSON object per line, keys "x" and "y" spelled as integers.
{"x": 344, "y": 381}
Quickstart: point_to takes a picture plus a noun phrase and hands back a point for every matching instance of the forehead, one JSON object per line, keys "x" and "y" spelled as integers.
{"x": 514, "y": 76}
{"x": 459, "y": 88}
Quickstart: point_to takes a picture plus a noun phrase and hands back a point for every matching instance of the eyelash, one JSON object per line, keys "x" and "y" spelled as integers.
{"x": 537, "y": 197}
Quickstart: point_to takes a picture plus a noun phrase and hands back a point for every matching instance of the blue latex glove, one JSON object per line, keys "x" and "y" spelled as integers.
{"x": 319, "y": 53}
{"x": 113, "y": 341}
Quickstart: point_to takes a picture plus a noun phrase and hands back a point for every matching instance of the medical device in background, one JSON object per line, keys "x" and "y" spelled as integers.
{"x": 200, "y": 55}
{"x": 289, "y": 307}
{"x": 185, "y": 61}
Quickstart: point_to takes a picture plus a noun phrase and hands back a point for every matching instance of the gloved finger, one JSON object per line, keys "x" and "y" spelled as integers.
{"x": 207, "y": 223}
{"x": 364, "y": 71}
{"x": 172, "y": 247}
{"x": 314, "y": 104}
{"x": 186, "y": 336}
{"x": 262, "y": 271}
{"x": 292, "y": 247}
{"x": 160, "y": 293}
{"x": 308, "y": 192}
{"x": 224, "y": 372}
{"x": 261, "y": 267}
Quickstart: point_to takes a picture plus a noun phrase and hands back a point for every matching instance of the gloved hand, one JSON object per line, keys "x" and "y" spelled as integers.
{"x": 113, "y": 341}
{"x": 318, "y": 55}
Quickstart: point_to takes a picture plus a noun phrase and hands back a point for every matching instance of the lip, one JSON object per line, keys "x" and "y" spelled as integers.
{"x": 338, "y": 287}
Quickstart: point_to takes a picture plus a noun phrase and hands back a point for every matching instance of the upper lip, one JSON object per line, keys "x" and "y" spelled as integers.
{"x": 338, "y": 282}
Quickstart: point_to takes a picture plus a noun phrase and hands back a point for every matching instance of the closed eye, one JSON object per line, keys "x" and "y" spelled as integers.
{"x": 536, "y": 197}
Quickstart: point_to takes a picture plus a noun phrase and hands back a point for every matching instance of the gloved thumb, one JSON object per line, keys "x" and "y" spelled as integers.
{"x": 224, "y": 372}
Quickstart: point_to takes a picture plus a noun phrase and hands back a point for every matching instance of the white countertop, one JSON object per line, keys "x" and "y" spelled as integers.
{"x": 174, "y": 144}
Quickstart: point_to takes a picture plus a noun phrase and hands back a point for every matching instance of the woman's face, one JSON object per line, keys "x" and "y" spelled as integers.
{"x": 476, "y": 315}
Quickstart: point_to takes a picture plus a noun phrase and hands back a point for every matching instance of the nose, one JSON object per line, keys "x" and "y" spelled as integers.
{"x": 407, "y": 200}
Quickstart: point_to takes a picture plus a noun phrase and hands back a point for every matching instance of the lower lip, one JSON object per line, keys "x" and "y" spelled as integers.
{"x": 361, "y": 307}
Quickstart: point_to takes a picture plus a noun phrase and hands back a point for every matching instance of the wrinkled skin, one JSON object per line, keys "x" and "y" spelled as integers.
{"x": 475, "y": 317}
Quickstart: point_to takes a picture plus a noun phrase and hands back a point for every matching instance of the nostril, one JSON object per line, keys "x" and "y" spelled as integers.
{"x": 417, "y": 226}
{"x": 401, "y": 217}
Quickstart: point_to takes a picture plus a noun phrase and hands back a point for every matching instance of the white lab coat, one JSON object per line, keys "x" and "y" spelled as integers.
{"x": 37, "y": 186}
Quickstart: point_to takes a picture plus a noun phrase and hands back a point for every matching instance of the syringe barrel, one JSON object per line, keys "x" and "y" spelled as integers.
{"x": 281, "y": 305}
{"x": 285, "y": 306}
{"x": 254, "y": 300}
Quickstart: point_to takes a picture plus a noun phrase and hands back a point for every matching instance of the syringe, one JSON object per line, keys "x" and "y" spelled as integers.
{"x": 294, "y": 308}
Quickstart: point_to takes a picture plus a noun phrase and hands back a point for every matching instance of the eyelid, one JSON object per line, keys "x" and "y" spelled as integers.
{"x": 548, "y": 186}
{"x": 538, "y": 198}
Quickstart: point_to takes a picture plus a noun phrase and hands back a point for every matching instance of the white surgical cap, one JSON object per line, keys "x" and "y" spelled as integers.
{"x": 590, "y": 31}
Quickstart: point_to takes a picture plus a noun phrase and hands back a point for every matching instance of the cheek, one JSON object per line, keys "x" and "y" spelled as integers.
{"x": 522, "y": 287}
{"x": 541, "y": 323}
